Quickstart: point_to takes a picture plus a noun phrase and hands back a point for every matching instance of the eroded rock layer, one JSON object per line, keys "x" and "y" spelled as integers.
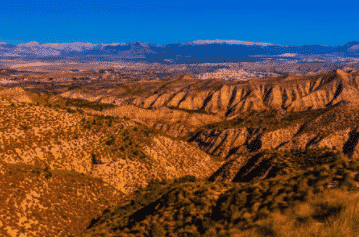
{"x": 288, "y": 93}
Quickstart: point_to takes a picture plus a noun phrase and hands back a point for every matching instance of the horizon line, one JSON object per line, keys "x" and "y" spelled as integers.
{"x": 199, "y": 42}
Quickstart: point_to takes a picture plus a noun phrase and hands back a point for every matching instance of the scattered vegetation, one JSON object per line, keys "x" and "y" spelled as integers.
{"x": 128, "y": 142}
{"x": 311, "y": 193}
{"x": 80, "y": 103}
{"x": 272, "y": 163}
{"x": 270, "y": 120}
{"x": 198, "y": 111}
{"x": 44, "y": 202}
{"x": 98, "y": 121}
{"x": 140, "y": 88}
{"x": 303, "y": 190}
{"x": 125, "y": 141}
{"x": 51, "y": 100}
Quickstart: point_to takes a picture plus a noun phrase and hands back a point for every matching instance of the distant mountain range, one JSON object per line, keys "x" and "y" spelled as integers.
{"x": 199, "y": 51}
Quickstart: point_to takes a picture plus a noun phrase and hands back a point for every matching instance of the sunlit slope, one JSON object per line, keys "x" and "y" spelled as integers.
{"x": 121, "y": 152}
{"x": 14, "y": 95}
{"x": 288, "y": 93}
{"x": 39, "y": 201}
{"x": 181, "y": 106}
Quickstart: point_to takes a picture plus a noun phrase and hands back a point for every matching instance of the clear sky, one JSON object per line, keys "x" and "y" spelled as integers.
{"x": 161, "y": 22}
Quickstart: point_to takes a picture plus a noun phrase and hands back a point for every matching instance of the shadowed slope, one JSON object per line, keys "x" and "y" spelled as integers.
{"x": 186, "y": 207}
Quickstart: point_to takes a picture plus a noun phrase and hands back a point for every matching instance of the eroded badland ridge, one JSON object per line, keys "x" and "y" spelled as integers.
{"x": 88, "y": 148}
{"x": 282, "y": 113}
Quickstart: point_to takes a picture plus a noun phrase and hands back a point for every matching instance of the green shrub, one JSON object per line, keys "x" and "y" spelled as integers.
{"x": 95, "y": 160}
{"x": 87, "y": 104}
{"x": 110, "y": 141}
{"x": 157, "y": 230}
{"x": 69, "y": 110}
{"x": 325, "y": 210}
{"x": 185, "y": 179}
{"x": 240, "y": 200}
{"x": 203, "y": 224}
{"x": 48, "y": 174}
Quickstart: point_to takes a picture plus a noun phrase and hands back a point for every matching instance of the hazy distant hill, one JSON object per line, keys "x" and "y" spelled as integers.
{"x": 173, "y": 53}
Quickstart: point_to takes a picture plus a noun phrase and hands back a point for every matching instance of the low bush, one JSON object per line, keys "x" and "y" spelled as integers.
{"x": 98, "y": 121}
{"x": 69, "y": 110}
{"x": 157, "y": 230}
{"x": 185, "y": 179}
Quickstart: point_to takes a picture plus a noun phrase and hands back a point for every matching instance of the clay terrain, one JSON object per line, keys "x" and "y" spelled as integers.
{"x": 99, "y": 150}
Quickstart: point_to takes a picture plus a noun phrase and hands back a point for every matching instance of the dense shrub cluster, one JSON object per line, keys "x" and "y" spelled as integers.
{"x": 98, "y": 121}
{"x": 51, "y": 100}
{"x": 87, "y": 104}
{"x": 128, "y": 142}
{"x": 308, "y": 176}
{"x": 272, "y": 163}
{"x": 293, "y": 160}
{"x": 271, "y": 120}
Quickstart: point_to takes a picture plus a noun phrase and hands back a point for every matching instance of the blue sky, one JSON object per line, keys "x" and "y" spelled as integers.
{"x": 162, "y": 22}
